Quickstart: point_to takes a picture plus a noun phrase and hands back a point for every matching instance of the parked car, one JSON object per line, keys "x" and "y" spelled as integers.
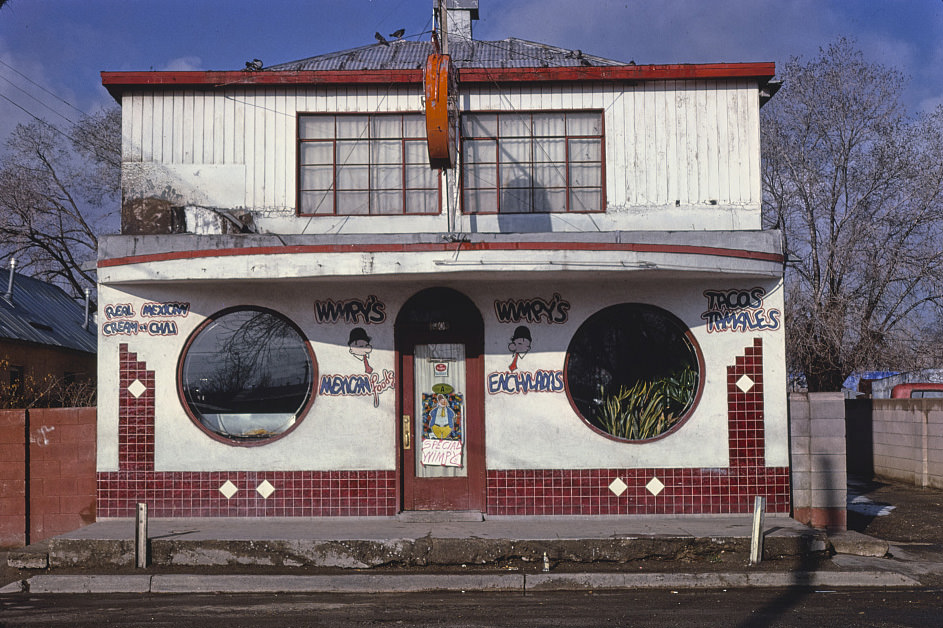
{"x": 917, "y": 391}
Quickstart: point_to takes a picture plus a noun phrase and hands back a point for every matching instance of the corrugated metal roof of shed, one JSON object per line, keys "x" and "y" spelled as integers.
{"x": 410, "y": 55}
{"x": 44, "y": 314}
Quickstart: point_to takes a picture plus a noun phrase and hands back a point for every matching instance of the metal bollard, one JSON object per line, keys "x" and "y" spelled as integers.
{"x": 756, "y": 544}
{"x": 140, "y": 537}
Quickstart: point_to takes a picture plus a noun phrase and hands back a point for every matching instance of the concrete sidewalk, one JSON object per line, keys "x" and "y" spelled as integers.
{"x": 406, "y": 554}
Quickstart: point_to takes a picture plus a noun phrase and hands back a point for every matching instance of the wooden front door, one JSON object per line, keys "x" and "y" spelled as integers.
{"x": 439, "y": 338}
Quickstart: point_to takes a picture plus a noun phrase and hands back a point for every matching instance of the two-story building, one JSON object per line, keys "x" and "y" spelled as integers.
{"x": 514, "y": 280}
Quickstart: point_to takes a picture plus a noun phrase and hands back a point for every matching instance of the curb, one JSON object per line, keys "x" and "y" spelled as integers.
{"x": 372, "y": 583}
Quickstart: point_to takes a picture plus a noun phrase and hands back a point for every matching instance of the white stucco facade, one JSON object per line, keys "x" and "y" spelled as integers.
{"x": 524, "y": 430}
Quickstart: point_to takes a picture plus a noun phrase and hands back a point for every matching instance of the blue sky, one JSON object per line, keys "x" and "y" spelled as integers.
{"x": 51, "y": 51}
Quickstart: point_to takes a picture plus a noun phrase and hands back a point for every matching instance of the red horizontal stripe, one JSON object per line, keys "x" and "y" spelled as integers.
{"x": 762, "y": 71}
{"x": 681, "y": 249}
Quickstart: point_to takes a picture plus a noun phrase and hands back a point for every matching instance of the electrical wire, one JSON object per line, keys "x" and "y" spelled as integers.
{"x": 40, "y": 120}
{"x": 7, "y": 65}
{"x": 17, "y": 87}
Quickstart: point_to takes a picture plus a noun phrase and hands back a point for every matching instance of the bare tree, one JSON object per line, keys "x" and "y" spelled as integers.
{"x": 58, "y": 192}
{"x": 856, "y": 186}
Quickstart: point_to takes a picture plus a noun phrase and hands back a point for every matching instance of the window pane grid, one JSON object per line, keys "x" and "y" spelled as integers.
{"x": 532, "y": 162}
{"x": 364, "y": 165}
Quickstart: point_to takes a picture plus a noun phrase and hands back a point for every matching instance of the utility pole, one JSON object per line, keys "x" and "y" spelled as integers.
{"x": 443, "y": 27}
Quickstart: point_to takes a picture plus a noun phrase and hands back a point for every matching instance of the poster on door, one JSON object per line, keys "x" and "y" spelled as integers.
{"x": 442, "y": 427}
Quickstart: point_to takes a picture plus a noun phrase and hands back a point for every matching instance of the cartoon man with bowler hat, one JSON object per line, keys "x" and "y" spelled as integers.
{"x": 519, "y": 345}
{"x": 360, "y": 348}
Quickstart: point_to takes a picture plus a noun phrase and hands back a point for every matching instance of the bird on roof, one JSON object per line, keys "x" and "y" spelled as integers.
{"x": 380, "y": 38}
{"x": 254, "y": 66}
{"x": 398, "y": 33}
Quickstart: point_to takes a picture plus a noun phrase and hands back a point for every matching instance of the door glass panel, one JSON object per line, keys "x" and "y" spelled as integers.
{"x": 440, "y": 409}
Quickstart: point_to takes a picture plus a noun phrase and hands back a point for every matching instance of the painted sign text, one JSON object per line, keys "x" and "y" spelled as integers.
{"x": 359, "y": 385}
{"x": 154, "y": 310}
{"x": 118, "y": 310}
{"x": 739, "y": 311}
{"x": 367, "y": 311}
{"x": 157, "y": 319}
{"x": 533, "y": 310}
{"x": 514, "y": 383}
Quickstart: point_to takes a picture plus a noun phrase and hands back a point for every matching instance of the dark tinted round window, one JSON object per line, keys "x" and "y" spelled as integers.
{"x": 246, "y": 375}
{"x": 632, "y": 371}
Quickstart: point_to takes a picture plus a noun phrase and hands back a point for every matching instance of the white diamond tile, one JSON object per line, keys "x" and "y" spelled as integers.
{"x": 655, "y": 486}
{"x": 745, "y": 383}
{"x": 228, "y": 489}
{"x": 137, "y": 388}
{"x": 618, "y": 487}
{"x": 265, "y": 489}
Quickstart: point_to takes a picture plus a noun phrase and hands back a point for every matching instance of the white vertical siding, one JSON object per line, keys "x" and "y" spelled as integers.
{"x": 723, "y": 154}
{"x": 667, "y": 143}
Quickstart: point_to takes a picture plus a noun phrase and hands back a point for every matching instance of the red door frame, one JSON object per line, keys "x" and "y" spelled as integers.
{"x": 459, "y": 493}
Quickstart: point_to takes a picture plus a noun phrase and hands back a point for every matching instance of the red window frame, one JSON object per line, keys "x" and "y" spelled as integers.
{"x": 374, "y": 206}
{"x": 500, "y": 187}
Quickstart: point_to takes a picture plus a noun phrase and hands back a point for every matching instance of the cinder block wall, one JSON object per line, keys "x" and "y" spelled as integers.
{"x": 59, "y": 470}
{"x": 935, "y": 447}
{"x": 63, "y": 480}
{"x": 819, "y": 477}
{"x": 908, "y": 440}
{"x": 12, "y": 478}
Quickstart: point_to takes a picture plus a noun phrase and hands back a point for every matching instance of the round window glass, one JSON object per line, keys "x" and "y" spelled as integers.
{"x": 247, "y": 375}
{"x": 632, "y": 371}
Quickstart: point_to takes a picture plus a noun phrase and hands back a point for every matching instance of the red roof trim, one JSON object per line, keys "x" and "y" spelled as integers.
{"x": 115, "y": 81}
{"x": 762, "y": 71}
{"x": 445, "y": 247}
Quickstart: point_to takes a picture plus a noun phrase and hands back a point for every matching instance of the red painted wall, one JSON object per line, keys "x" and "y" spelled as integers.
{"x": 61, "y": 478}
{"x": 12, "y": 478}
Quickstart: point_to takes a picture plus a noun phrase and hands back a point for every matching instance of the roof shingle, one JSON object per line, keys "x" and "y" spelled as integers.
{"x": 410, "y": 55}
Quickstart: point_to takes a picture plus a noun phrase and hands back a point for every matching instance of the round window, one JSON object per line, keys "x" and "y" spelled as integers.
{"x": 246, "y": 375}
{"x": 632, "y": 371}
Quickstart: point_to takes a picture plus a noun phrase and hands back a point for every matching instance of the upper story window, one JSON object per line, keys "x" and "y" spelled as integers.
{"x": 532, "y": 162}
{"x": 352, "y": 165}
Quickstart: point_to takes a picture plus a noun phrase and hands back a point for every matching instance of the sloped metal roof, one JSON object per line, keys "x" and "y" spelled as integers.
{"x": 44, "y": 314}
{"x": 410, "y": 55}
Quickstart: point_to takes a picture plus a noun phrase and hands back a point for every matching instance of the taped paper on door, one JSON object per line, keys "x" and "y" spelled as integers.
{"x": 445, "y": 453}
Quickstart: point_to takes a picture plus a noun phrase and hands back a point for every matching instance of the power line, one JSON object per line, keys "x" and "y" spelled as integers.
{"x": 7, "y": 65}
{"x": 40, "y": 120}
{"x": 15, "y": 86}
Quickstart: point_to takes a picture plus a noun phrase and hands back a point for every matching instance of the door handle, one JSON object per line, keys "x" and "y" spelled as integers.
{"x": 407, "y": 431}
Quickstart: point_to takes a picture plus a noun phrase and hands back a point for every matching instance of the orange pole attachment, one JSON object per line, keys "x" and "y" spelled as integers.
{"x": 441, "y": 112}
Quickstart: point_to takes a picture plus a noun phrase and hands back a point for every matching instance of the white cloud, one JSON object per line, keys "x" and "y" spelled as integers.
{"x": 183, "y": 64}
{"x": 27, "y": 95}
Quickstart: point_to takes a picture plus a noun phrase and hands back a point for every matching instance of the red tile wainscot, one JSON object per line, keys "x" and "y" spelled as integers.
{"x": 685, "y": 491}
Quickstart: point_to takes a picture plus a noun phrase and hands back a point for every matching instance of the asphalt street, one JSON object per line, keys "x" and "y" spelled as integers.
{"x": 642, "y": 609}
